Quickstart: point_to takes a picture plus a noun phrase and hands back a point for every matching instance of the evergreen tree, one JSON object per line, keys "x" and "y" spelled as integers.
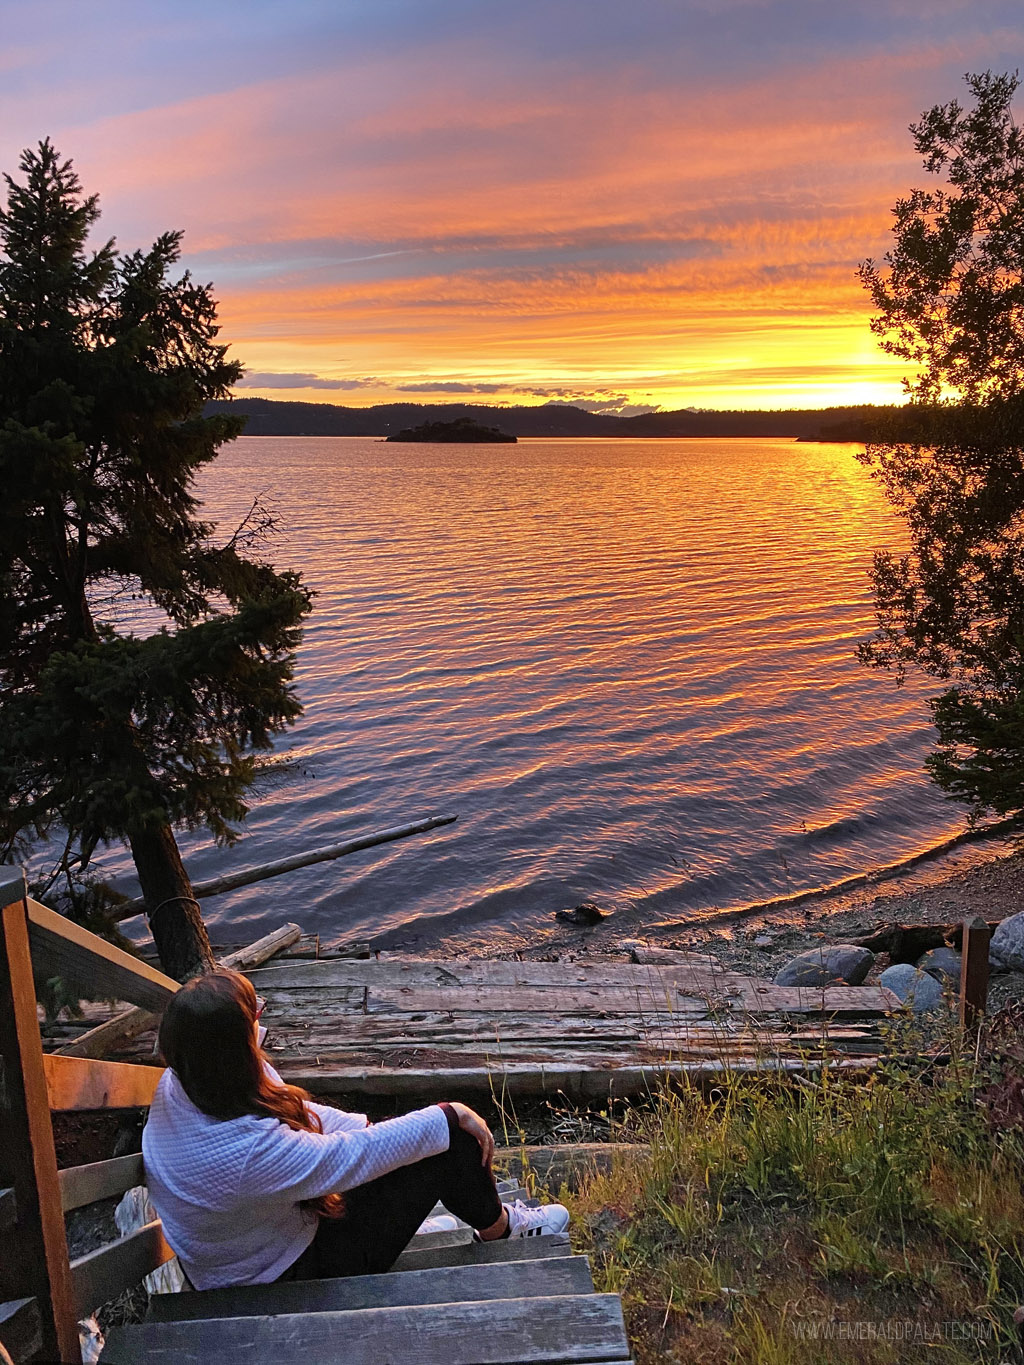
{"x": 951, "y": 301}
{"x": 106, "y": 361}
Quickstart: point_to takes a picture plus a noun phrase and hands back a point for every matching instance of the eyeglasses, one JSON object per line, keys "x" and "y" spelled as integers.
{"x": 261, "y": 1005}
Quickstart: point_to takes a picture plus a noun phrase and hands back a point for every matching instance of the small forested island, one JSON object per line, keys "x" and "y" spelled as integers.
{"x": 464, "y": 430}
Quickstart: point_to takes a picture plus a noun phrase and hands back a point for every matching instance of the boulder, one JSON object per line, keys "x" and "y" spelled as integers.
{"x": 914, "y": 987}
{"x": 843, "y": 962}
{"x": 942, "y": 963}
{"x": 586, "y": 913}
{"x": 1006, "y": 951}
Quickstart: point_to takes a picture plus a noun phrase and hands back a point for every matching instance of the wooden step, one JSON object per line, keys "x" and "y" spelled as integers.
{"x": 509, "y": 1190}
{"x": 445, "y": 1284}
{"x": 450, "y": 1237}
{"x": 531, "y": 1331}
{"x": 483, "y": 1253}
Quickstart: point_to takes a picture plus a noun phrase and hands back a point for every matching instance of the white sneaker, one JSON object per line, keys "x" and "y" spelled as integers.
{"x": 441, "y": 1222}
{"x": 549, "y": 1220}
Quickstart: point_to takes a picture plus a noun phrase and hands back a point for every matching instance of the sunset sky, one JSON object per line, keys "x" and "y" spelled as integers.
{"x": 623, "y": 203}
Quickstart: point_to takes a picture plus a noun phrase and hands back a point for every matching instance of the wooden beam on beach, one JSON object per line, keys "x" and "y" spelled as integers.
{"x": 578, "y": 1082}
{"x": 130, "y": 1023}
{"x": 220, "y": 885}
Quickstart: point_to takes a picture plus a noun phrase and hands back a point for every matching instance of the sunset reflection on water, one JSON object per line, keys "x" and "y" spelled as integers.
{"x": 628, "y": 667}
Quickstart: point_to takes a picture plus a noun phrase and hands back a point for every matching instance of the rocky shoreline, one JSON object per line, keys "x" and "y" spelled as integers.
{"x": 985, "y": 880}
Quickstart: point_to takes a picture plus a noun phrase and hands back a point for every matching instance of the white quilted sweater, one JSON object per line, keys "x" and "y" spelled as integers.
{"x": 228, "y": 1190}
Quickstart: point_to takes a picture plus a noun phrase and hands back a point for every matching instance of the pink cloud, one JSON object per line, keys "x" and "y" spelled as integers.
{"x": 381, "y": 205}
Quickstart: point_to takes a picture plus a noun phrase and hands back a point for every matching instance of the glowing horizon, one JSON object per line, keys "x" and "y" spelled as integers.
{"x": 663, "y": 208}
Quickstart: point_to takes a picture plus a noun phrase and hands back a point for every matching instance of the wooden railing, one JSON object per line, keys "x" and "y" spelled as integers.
{"x": 43, "y": 1293}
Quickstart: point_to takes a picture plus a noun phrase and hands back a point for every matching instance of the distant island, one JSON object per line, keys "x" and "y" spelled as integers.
{"x": 463, "y": 430}
{"x": 269, "y": 417}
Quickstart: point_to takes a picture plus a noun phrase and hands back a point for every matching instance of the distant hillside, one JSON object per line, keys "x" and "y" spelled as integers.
{"x": 267, "y": 417}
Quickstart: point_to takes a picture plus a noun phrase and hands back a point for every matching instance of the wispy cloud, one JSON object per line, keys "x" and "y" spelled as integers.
{"x": 662, "y": 204}
{"x": 257, "y": 380}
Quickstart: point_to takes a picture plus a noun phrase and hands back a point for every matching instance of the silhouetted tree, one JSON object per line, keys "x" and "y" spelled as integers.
{"x": 106, "y": 734}
{"x": 951, "y": 301}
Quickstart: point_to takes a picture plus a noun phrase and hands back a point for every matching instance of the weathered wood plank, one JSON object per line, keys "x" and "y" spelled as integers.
{"x": 667, "y": 999}
{"x": 843, "y": 1002}
{"x": 672, "y": 957}
{"x": 103, "y": 1274}
{"x": 483, "y": 1253}
{"x": 467, "y": 971}
{"x": 445, "y": 1284}
{"x": 495, "y": 1000}
{"x": 83, "y": 1083}
{"x": 398, "y": 1042}
{"x": 21, "y": 1329}
{"x": 496, "y": 1058}
{"x": 37, "y": 1264}
{"x": 396, "y": 986}
{"x": 81, "y": 1185}
{"x": 508, "y": 1064}
{"x": 8, "y": 1209}
{"x": 566, "y": 1033}
{"x": 63, "y": 948}
{"x": 559, "y": 1328}
{"x": 130, "y": 1023}
{"x": 13, "y": 887}
{"x": 474, "y": 1024}
{"x": 487, "y": 1001}
{"x": 529, "y": 1078}
{"x": 614, "y": 1051}
{"x": 450, "y": 1237}
{"x": 104, "y": 1037}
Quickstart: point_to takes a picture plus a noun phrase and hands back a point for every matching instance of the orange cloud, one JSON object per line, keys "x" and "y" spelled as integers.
{"x": 438, "y": 215}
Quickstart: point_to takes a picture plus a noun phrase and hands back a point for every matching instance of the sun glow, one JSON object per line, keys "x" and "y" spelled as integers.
{"x": 628, "y": 221}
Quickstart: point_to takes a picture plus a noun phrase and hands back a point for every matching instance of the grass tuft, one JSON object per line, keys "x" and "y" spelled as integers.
{"x": 832, "y": 1218}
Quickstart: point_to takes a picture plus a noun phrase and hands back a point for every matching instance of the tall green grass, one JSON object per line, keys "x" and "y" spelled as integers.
{"x": 825, "y": 1218}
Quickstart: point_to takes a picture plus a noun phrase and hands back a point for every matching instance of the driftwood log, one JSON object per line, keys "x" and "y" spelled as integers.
{"x": 907, "y": 942}
{"x": 219, "y": 885}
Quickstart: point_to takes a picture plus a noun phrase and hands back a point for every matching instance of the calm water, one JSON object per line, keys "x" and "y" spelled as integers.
{"x": 627, "y": 666}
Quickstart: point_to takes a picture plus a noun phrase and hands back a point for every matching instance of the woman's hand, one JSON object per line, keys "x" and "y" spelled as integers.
{"x": 473, "y": 1124}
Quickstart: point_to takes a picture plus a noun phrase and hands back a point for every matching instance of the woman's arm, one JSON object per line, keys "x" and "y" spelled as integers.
{"x": 338, "y": 1120}
{"x": 305, "y": 1165}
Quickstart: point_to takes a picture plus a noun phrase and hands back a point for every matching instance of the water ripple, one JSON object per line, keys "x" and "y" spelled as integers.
{"x": 628, "y": 667}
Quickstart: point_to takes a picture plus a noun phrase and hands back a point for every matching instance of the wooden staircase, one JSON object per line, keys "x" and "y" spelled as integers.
{"x": 483, "y": 1310}
{"x": 448, "y": 1300}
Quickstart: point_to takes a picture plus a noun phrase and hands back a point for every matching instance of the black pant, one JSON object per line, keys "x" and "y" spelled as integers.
{"x": 382, "y": 1216}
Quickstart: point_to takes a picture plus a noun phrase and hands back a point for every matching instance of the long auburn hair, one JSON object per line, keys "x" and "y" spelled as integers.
{"x": 208, "y": 1038}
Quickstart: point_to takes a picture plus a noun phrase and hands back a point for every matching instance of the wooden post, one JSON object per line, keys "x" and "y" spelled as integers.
{"x": 974, "y": 971}
{"x": 34, "y": 1253}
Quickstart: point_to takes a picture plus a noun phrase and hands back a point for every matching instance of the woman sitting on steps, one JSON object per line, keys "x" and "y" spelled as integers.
{"x": 254, "y": 1182}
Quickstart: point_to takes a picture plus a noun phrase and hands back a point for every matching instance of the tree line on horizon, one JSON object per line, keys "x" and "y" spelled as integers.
{"x": 283, "y": 417}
